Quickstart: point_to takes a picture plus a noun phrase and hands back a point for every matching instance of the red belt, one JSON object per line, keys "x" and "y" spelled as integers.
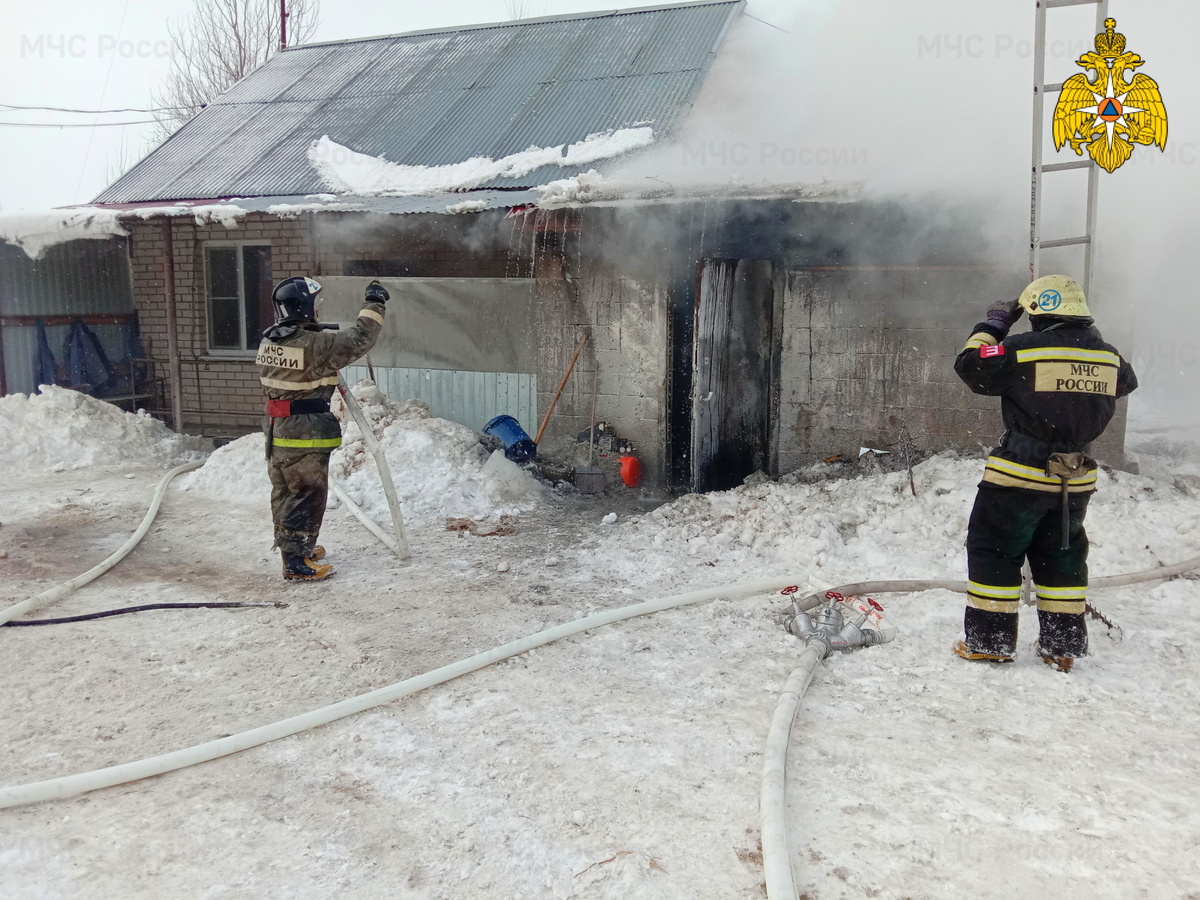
{"x": 282, "y": 409}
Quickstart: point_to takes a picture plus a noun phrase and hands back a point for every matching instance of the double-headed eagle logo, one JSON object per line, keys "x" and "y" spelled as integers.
{"x": 1108, "y": 114}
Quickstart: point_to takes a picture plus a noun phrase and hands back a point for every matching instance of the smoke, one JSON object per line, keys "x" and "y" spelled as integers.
{"x": 930, "y": 101}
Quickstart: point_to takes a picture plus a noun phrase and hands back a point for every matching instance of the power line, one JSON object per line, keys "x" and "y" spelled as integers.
{"x": 766, "y": 23}
{"x": 94, "y": 111}
{"x": 103, "y": 91}
{"x": 72, "y": 124}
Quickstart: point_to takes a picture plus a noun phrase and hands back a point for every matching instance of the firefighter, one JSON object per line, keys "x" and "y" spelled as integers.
{"x": 298, "y": 361}
{"x": 1059, "y": 385}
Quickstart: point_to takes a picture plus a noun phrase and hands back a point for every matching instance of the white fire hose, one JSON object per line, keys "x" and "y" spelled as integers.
{"x": 772, "y": 802}
{"x": 69, "y": 785}
{"x": 60, "y": 591}
{"x": 777, "y": 865}
{"x": 400, "y": 545}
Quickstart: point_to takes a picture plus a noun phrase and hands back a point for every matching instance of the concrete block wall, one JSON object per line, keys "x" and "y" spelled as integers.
{"x": 868, "y": 354}
{"x": 626, "y": 353}
{"x": 221, "y": 393}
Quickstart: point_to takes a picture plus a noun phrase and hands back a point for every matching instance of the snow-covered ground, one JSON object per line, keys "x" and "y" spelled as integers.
{"x": 621, "y": 763}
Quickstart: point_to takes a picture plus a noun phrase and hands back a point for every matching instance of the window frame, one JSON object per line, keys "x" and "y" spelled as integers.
{"x": 248, "y": 352}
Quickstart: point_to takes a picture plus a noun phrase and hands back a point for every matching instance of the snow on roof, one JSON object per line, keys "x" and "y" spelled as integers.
{"x": 35, "y": 231}
{"x": 344, "y": 170}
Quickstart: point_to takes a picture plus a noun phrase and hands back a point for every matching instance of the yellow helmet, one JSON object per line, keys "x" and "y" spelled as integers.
{"x": 1054, "y": 295}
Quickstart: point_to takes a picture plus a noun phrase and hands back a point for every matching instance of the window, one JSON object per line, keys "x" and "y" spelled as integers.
{"x": 239, "y": 295}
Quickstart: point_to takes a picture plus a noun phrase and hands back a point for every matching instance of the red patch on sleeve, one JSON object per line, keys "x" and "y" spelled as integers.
{"x": 987, "y": 350}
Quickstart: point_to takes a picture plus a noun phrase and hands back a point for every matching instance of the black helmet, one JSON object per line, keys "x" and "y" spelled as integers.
{"x": 296, "y": 298}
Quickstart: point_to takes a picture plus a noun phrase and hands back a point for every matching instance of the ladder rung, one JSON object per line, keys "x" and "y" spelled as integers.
{"x": 1064, "y": 242}
{"x": 1055, "y": 4}
{"x": 1052, "y": 88}
{"x": 1062, "y": 167}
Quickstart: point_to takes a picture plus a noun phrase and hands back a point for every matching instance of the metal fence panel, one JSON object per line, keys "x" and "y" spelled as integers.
{"x": 469, "y": 398}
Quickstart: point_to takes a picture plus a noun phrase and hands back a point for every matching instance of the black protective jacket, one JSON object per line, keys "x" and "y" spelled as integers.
{"x": 1059, "y": 389}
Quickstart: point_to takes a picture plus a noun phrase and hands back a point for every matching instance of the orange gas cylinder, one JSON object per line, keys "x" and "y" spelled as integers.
{"x": 631, "y": 471}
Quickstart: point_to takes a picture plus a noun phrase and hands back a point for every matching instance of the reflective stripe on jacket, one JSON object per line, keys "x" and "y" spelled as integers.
{"x": 1059, "y": 389}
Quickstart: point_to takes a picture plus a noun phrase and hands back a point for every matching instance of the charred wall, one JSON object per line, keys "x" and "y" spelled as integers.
{"x": 872, "y": 303}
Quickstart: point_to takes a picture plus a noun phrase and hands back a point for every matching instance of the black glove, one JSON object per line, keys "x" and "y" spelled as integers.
{"x": 377, "y": 292}
{"x": 1004, "y": 314}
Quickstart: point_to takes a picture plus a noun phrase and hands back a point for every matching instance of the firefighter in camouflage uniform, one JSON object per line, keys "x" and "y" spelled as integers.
{"x": 298, "y": 361}
{"x": 1059, "y": 385}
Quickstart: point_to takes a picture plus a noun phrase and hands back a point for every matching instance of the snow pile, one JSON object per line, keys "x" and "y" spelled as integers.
{"x": 237, "y": 471}
{"x": 467, "y": 206}
{"x": 348, "y": 171}
{"x": 439, "y": 468}
{"x": 843, "y": 530}
{"x": 61, "y": 429}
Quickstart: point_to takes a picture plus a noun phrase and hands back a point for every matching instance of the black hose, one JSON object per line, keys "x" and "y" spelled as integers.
{"x": 133, "y": 609}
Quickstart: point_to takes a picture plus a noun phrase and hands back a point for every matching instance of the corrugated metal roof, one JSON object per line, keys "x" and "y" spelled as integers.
{"x": 437, "y": 98}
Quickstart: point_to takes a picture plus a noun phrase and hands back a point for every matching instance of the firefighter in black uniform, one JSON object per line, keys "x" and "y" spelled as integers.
{"x": 298, "y": 361}
{"x": 1059, "y": 385}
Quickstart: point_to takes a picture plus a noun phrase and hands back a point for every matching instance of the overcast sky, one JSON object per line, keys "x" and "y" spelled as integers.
{"x": 107, "y": 54}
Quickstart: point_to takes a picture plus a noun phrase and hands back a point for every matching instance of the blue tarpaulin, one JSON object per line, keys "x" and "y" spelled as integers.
{"x": 45, "y": 369}
{"x": 88, "y": 369}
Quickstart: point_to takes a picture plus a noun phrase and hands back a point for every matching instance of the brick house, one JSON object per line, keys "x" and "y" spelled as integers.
{"x": 727, "y": 332}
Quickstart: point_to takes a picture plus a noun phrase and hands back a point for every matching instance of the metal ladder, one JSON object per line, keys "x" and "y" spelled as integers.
{"x": 1040, "y": 90}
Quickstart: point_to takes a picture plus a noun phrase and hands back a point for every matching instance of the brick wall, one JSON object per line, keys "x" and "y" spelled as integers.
{"x": 221, "y": 393}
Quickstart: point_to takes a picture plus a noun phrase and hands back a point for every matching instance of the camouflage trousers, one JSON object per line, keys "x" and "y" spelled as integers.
{"x": 299, "y": 490}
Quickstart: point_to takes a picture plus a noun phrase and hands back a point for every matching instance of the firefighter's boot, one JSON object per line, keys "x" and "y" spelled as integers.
{"x": 317, "y": 554}
{"x": 302, "y": 568}
{"x": 961, "y": 649}
{"x": 1059, "y": 663}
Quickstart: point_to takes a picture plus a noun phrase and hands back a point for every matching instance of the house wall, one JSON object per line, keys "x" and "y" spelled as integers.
{"x": 625, "y": 320}
{"x": 221, "y": 393}
{"x": 869, "y": 354}
{"x": 865, "y": 353}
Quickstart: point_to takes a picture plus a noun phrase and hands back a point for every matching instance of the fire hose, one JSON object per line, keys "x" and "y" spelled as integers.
{"x": 60, "y": 591}
{"x": 400, "y": 545}
{"x": 773, "y": 792}
{"x": 69, "y": 785}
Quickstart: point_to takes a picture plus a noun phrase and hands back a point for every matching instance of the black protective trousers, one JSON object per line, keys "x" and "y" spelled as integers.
{"x": 299, "y": 491}
{"x": 1007, "y": 526}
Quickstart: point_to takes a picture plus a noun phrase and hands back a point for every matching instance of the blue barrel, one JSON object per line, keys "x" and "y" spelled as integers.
{"x": 517, "y": 444}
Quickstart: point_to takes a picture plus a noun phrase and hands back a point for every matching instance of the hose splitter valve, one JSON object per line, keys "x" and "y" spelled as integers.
{"x": 837, "y": 623}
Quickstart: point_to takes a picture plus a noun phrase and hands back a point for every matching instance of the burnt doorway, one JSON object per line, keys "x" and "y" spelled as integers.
{"x": 732, "y": 365}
